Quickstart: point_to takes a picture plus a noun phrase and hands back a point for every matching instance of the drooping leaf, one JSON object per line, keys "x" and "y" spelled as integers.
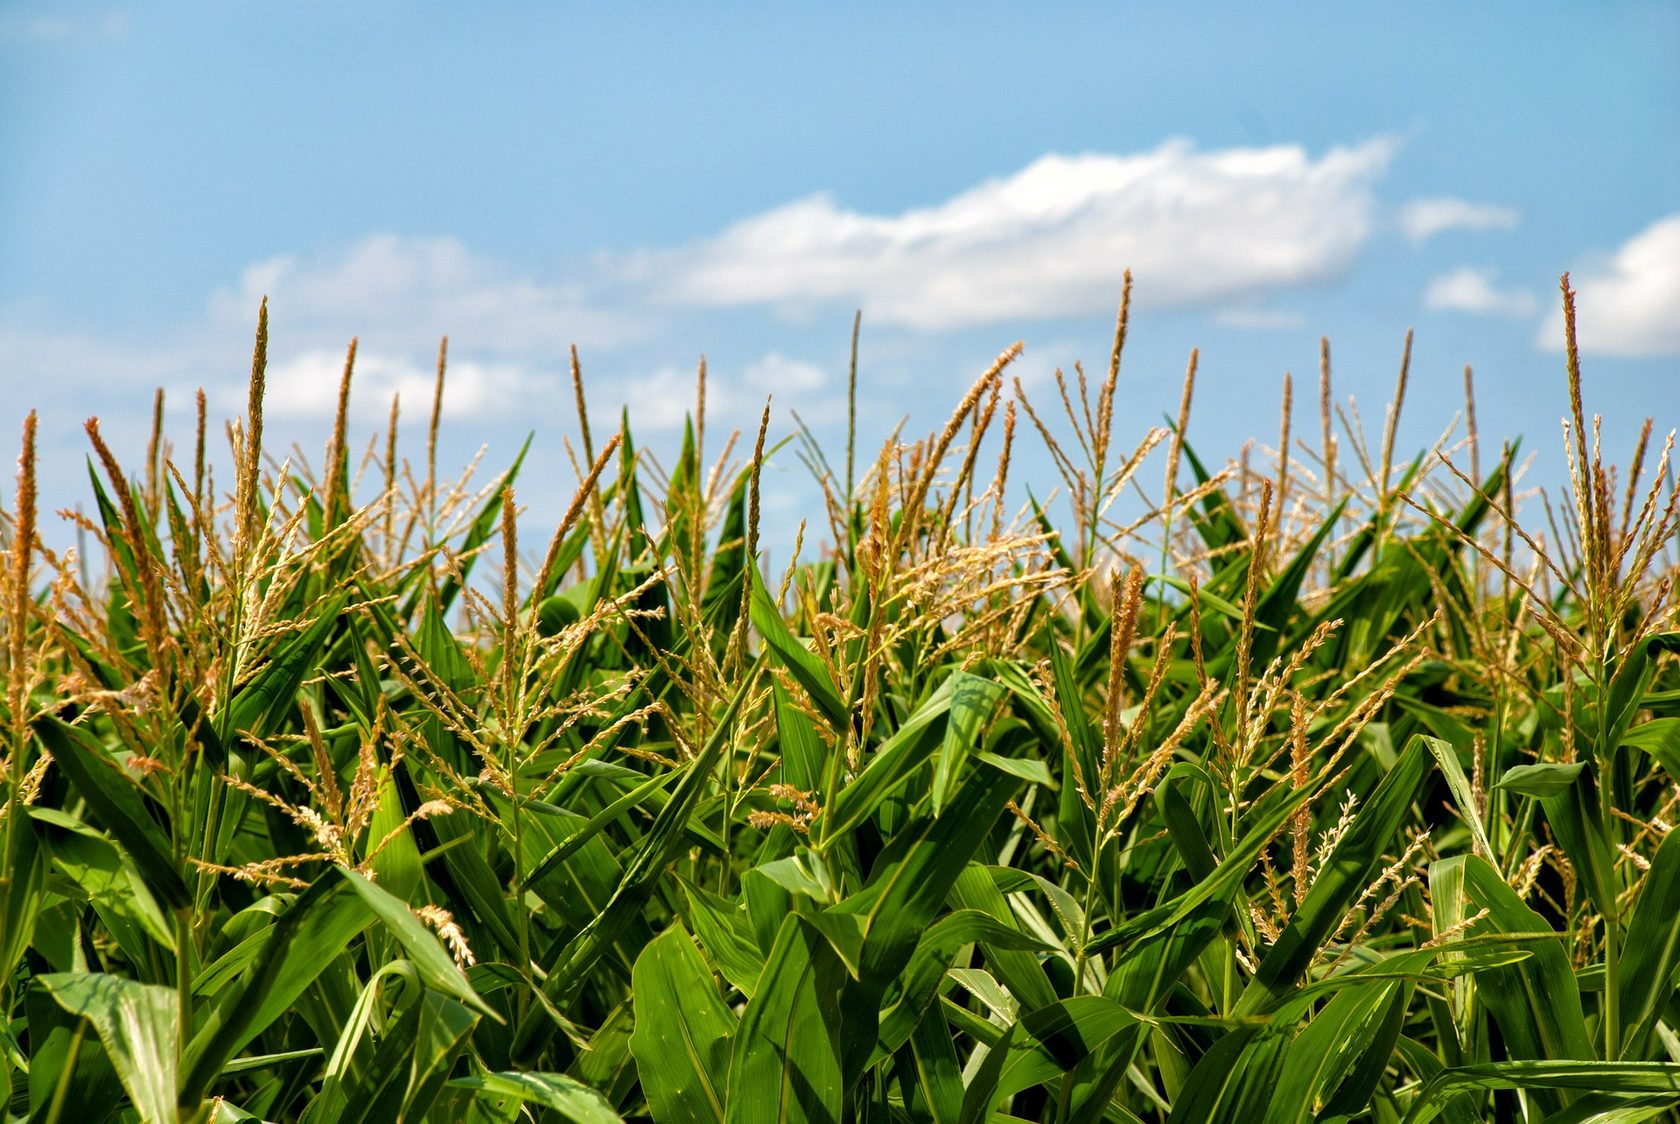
{"x": 572, "y": 1100}
{"x": 138, "y": 1025}
{"x": 1540, "y": 780}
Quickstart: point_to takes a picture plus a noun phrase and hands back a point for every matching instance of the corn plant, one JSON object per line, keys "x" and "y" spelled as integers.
{"x": 1319, "y": 785}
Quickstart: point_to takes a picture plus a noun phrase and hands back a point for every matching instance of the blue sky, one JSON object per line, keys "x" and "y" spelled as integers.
{"x": 654, "y": 182}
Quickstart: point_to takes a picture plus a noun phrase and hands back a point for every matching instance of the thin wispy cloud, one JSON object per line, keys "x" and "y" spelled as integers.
{"x": 1052, "y": 240}
{"x": 40, "y": 354}
{"x": 1422, "y": 219}
{"x": 1259, "y": 319}
{"x": 1630, "y": 305}
{"x": 55, "y": 25}
{"x": 1476, "y": 290}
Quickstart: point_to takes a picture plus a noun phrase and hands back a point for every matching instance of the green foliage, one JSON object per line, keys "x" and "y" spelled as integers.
{"x": 1319, "y": 790}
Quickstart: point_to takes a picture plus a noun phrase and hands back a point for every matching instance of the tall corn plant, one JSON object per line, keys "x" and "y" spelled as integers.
{"x": 1317, "y": 786}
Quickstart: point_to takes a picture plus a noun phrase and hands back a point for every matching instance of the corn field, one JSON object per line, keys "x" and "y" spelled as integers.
{"x": 1331, "y": 784}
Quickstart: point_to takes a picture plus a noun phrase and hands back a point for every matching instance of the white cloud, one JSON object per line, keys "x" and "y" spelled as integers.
{"x": 1051, "y": 240}
{"x": 509, "y": 335}
{"x": 1422, "y": 219}
{"x": 777, "y": 374}
{"x": 658, "y": 400}
{"x": 60, "y": 27}
{"x": 403, "y": 292}
{"x": 38, "y": 357}
{"x": 1631, "y": 304}
{"x": 307, "y": 386}
{"x": 509, "y": 331}
{"x": 661, "y": 399}
{"x": 1473, "y": 290}
{"x": 1259, "y": 319}
{"x": 1223, "y": 229}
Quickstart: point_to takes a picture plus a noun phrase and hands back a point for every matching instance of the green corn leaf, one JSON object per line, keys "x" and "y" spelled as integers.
{"x": 571, "y": 1100}
{"x": 1607, "y": 1108}
{"x": 911, "y": 879}
{"x": 1624, "y": 1078}
{"x": 138, "y": 1025}
{"x": 397, "y": 978}
{"x": 1183, "y": 824}
{"x": 1661, "y": 739}
{"x": 907, "y": 888}
{"x": 473, "y": 883}
{"x": 1630, "y": 682}
{"x": 683, "y": 1032}
{"x": 1234, "y": 1081}
{"x": 807, "y": 670}
{"x": 644, "y": 866}
{"x": 69, "y": 1071}
{"x": 726, "y": 935}
{"x": 1052, "y": 1041}
{"x": 442, "y": 1028}
{"x": 1223, "y": 882}
{"x": 918, "y": 985}
{"x": 1208, "y": 601}
{"x": 1332, "y": 1045}
{"x": 272, "y": 692}
{"x": 25, "y": 888}
{"x": 279, "y": 964}
{"x": 591, "y": 828}
{"x": 437, "y": 970}
{"x": 1069, "y": 1030}
{"x": 973, "y": 700}
{"x": 1141, "y": 977}
{"x": 1446, "y": 756}
{"x": 1373, "y": 1060}
{"x": 1344, "y": 876}
{"x": 785, "y": 1064}
{"x": 938, "y": 1070}
{"x": 892, "y": 764}
{"x": 397, "y": 866}
{"x": 796, "y": 735}
{"x": 1537, "y": 1000}
{"x": 410, "y": 1062}
{"x": 113, "y": 885}
{"x": 1539, "y": 780}
{"x": 1573, "y": 813}
{"x": 117, "y": 804}
{"x": 1019, "y": 971}
{"x": 1651, "y": 953}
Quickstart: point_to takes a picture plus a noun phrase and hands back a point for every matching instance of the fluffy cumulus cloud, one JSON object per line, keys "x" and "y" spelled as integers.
{"x": 306, "y": 385}
{"x": 1476, "y": 290}
{"x": 1196, "y": 228}
{"x": 400, "y": 292}
{"x": 1422, "y": 219}
{"x": 1630, "y": 305}
{"x": 509, "y": 331}
{"x": 1225, "y": 230}
{"x": 660, "y": 400}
